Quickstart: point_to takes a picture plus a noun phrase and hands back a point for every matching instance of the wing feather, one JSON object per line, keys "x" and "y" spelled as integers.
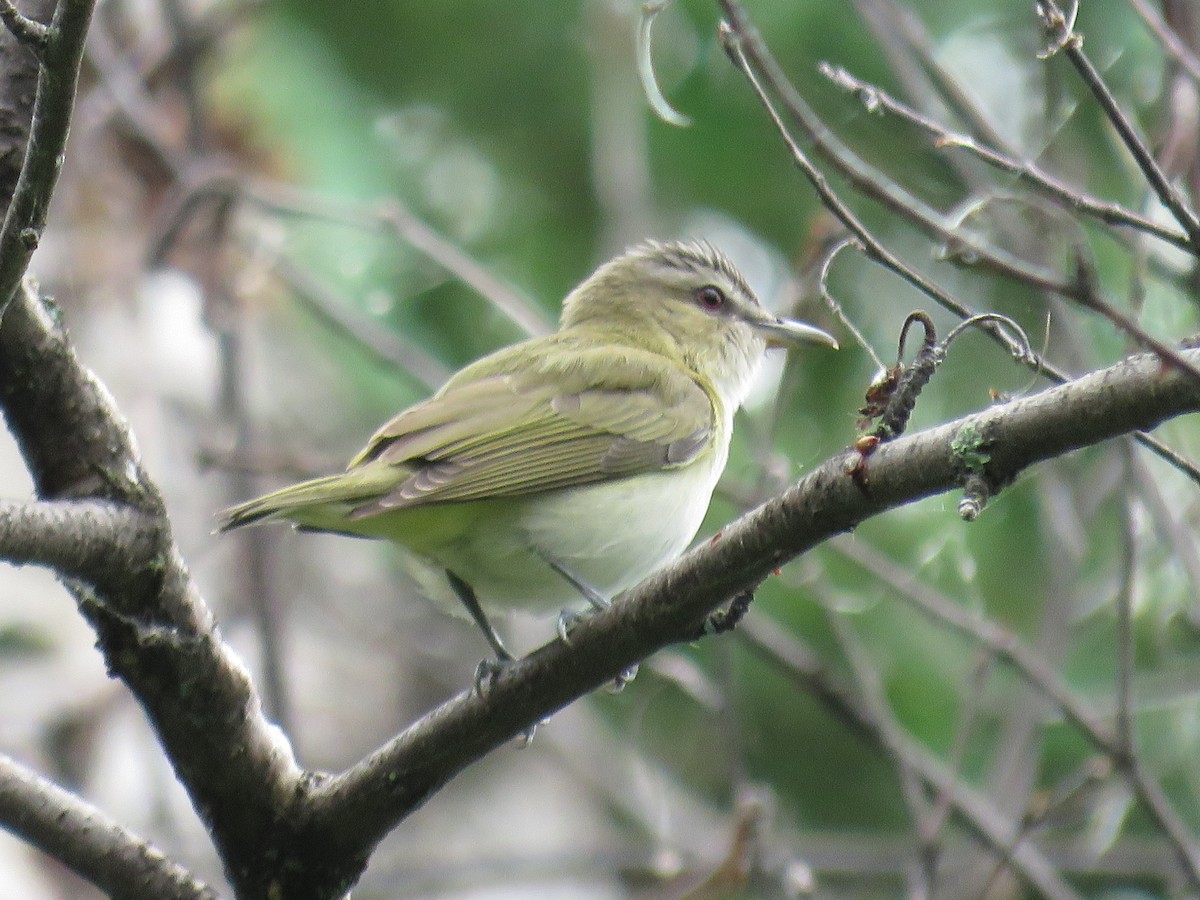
{"x": 525, "y": 429}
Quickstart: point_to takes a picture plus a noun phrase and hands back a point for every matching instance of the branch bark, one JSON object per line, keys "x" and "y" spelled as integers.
{"x": 155, "y": 632}
{"x": 92, "y": 845}
{"x": 354, "y": 810}
{"x": 76, "y": 538}
{"x": 60, "y": 55}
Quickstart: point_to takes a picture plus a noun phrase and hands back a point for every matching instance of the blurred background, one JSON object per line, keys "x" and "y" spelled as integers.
{"x": 282, "y": 221}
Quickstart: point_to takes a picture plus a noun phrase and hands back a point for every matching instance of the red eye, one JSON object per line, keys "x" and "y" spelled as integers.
{"x": 710, "y": 297}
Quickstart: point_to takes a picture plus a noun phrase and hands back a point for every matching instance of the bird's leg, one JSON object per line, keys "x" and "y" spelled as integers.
{"x": 567, "y": 619}
{"x": 488, "y": 668}
{"x": 593, "y": 596}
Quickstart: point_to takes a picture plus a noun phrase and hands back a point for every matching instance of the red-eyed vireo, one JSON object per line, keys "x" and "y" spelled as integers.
{"x": 566, "y": 465}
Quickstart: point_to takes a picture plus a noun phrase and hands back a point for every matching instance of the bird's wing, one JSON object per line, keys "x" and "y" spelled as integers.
{"x": 548, "y": 425}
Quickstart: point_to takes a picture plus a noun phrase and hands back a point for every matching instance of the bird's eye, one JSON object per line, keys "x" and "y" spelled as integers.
{"x": 710, "y": 297}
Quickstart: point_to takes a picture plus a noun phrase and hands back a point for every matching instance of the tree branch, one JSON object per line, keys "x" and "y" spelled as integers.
{"x": 18, "y": 87}
{"x": 155, "y": 632}
{"x": 83, "y": 539}
{"x": 29, "y": 32}
{"x": 88, "y": 842}
{"x": 355, "y": 809}
{"x": 875, "y": 99}
{"x": 26, "y": 217}
{"x": 1062, "y": 33}
{"x": 972, "y": 808}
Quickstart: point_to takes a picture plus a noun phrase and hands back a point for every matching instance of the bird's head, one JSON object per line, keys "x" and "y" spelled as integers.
{"x": 687, "y": 301}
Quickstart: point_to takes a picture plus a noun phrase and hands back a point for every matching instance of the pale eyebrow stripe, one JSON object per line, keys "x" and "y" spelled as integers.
{"x": 699, "y": 257}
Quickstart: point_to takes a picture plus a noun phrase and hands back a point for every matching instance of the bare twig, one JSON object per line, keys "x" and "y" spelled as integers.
{"x": 389, "y": 347}
{"x": 962, "y": 248}
{"x": 871, "y": 247}
{"x": 1066, "y": 40}
{"x": 1124, "y": 616}
{"x": 906, "y": 23}
{"x": 875, "y": 100}
{"x": 645, "y": 65}
{"x": 1035, "y": 669}
{"x": 975, "y": 811}
{"x": 392, "y": 216}
{"x": 388, "y": 217}
{"x": 836, "y": 308}
{"x": 1168, "y": 37}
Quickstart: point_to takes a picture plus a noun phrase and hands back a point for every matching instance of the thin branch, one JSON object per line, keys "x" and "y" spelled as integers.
{"x": 961, "y": 248}
{"x": 389, "y": 347}
{"x": 393, "y": 217}
{"x": 1174, "y": 532}
{"x": 389, "y": 217}
{"x": 29, "y": 32}
{"x": 1066, "y": 40}
{"x": 752, "y": 49}
{"x": 869, "y": 687}
{"x": 356, "y": 808}
{"x": 88, "y": 842}
{"x": 1034, "y": 668}
{"x": 26, "y": 216}
{"x": 875, "y": 99}
{"x": 836, "y": 308}
{"x": 1125, "y": 647}
{"x": 1083, "y": 289}
{"x": 949, "y": 88}
{"x": 871, "y": 247}
{"x": 971, "y": 808}
{"x": 1168, "y": 37}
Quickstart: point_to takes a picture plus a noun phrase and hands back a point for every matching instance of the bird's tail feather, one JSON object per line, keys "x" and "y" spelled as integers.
{"x": 291, "y": 502}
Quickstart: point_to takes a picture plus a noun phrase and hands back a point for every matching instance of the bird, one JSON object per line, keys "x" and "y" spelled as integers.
{"x": 569, "y": 465}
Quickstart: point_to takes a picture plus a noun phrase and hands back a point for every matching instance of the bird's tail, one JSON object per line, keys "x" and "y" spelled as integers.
{"x": 307, "y": 500}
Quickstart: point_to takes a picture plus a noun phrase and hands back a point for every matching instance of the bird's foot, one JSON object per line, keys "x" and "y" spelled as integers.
{"x": 568, "y": 619}
{"x": 488, "y": 671}
{"x": 618, "y": 684}
{"x": 486, "y": 674}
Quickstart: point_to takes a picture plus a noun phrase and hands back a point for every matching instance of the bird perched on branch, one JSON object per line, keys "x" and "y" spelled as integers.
{"x": 568, "y": 465}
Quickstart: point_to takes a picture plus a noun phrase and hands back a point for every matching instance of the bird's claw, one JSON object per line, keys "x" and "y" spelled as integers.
{"x": 567, "y": 620}
{"x": 487, "y": 672}
{"x": 618, "y": 684}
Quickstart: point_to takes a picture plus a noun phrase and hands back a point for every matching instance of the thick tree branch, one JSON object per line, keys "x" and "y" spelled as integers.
{"x": 84, "y": 539}
{"x": 60, "y": 56}
{"x": 155, "y": 632}
{"x": 88, "y": 842}
{"x": 355, "y": 809}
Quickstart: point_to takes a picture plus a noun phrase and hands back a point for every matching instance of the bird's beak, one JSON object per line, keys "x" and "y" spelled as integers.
{"x": 789, "y": 332}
